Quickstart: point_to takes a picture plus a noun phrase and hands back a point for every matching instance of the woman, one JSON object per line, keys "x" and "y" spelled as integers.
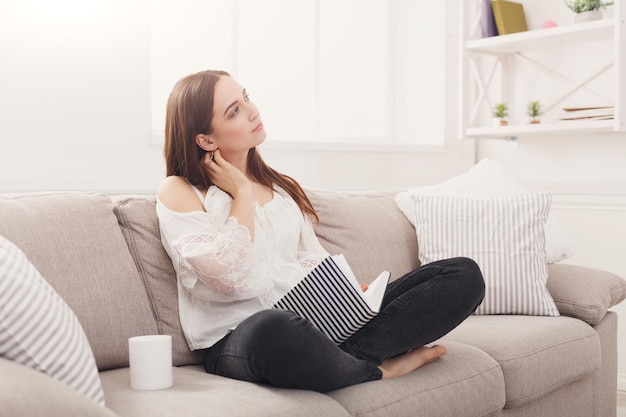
{"x": 240, "y": 236}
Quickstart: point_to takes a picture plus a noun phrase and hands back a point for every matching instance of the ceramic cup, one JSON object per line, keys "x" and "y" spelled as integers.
{"x": 150, "y": 359}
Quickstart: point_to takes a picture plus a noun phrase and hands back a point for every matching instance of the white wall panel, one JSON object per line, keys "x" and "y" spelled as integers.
{"x": 354, "y": 70}
{"x": 186, "y": 37}
{"x": 277, "y": 63}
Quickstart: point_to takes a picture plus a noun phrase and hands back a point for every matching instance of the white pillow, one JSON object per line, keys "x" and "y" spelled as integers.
{"x": 487, "y": 179}
{"x": 504, "y": 235}
{"x": 39, "y": 330}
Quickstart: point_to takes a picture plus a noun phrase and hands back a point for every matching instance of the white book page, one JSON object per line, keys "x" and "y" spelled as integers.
{"x": 375, "y": 291}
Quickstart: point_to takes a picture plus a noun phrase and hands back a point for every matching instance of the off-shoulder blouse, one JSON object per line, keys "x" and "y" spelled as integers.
{"x": 223, "y": 276}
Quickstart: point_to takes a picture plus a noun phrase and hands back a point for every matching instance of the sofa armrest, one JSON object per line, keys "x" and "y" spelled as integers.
{"x": 26, "y": 392}
{"x": 584, "y": 293}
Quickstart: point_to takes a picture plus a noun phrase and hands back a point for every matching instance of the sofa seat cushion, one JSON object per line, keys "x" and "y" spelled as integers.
{"x": 464, "y": 382}
{"x": 537, "y": 354}
{"x": 198, "y": 394}
{"x": 25, "y": 392}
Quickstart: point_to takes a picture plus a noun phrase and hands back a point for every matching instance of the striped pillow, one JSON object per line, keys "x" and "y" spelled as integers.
{"x": 488, "y": 179}
{"x": 504, "y": 235}
{"x": 39, "y": 330}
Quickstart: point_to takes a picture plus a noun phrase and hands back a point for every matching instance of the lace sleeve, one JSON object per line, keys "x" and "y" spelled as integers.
{"x": 219, "y": 264}
{"x": 310, "y": 250}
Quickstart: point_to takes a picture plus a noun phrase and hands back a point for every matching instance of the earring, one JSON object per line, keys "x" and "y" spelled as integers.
{"x": 212, "y": 157}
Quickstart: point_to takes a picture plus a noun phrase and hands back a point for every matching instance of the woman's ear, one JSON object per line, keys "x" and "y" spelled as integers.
{"x": 205, "y": 142}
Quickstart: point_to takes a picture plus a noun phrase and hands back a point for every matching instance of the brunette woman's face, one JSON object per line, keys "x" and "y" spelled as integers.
{"x": 237, "y": 125}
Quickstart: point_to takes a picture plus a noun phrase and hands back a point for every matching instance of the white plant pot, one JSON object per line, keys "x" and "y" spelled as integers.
{"x": 588, "y": 16}
{"x": 496, "y": 121}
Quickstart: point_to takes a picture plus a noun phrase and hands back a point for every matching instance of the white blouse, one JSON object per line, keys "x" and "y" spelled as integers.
{"x": 224, "y": 277}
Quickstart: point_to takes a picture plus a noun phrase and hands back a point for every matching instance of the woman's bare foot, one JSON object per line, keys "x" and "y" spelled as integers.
{"x": 410, "y": 361}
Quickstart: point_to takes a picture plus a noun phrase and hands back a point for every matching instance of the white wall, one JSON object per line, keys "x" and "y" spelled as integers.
{"x": 346, "y": 167}
{"x": 75, "y": 109}
{"x": 75, "y": 96}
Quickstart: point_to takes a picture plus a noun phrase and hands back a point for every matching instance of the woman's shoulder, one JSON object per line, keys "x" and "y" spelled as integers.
{"x": 173, "y": 182}
{"x": 177, "y": 194}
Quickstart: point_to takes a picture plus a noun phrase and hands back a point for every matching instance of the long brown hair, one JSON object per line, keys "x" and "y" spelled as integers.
{"x": 189, "y": 113}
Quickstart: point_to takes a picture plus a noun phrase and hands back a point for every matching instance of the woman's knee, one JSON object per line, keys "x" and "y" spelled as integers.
{"x": 464, "y": 276}
{"x": 471, "y": 277}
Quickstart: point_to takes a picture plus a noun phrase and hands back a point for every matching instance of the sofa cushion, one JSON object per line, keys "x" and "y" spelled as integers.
{"x": 198, "y": 394}
{"x": 537, "y": 354}
{"x": 368, "y": 228}
{"x": 504, "y": 235}
{"x": 585, "y": 293}
{"x": 25, "y": 392}
{"x": 74, "y": 241}
{"x": 39, "y": 330}
{"x": 464, "y": 382}
{"x": 140, "y": 225}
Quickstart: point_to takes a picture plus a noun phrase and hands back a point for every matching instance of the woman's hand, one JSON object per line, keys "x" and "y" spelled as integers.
{"x": 225, "y": 175}
{"x": 231, "y": 180}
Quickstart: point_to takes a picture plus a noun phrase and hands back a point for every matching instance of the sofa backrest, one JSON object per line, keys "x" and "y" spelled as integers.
{"x": 104, "y": 256}
{"x": 368, "y": 228}
{"x": 74, "y": 241}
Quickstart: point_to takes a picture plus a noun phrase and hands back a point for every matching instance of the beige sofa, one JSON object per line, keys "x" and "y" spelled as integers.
{"x": 103, "y": 255}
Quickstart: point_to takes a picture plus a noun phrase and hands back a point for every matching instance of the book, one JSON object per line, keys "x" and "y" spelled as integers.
{"x": 331, "y": 298}
{"x": 577, "y": 113}
{"x": 509, "y": 17}
{"x": 487, "y": 21}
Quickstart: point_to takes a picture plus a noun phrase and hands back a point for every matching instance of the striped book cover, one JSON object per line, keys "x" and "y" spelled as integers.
{"x": 331, "y": 299}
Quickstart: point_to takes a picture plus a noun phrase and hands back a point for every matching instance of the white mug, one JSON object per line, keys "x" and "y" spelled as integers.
{"x": 150, "y": 360}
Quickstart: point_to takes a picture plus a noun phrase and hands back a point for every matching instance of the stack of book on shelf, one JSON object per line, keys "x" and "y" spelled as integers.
{"x": 501, "y": 17}
{"x": 587, "y": 113}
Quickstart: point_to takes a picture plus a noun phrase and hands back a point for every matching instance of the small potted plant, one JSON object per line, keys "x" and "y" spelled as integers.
{"x": 533, "y": 110}
{"x": 587, "y": 10}
{"x": 500, "y": 112}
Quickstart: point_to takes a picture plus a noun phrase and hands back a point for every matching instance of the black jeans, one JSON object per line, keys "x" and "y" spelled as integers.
{"x": 279, "y": 348}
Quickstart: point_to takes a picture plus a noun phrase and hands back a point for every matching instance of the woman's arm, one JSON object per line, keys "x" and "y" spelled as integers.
{"x": 178, "y": 195}
{"x": 230, "y": 179}
{"x": 213, "y": 254}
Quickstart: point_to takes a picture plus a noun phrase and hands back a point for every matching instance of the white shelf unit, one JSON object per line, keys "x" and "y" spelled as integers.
{"x": 476, "y": 89}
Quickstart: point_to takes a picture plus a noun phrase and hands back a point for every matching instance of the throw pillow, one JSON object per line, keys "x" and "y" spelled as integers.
{"x": 39, "y": 330}
{"x": 140, "y": 226}
{"x": 488, "y": 179}
{"x": 504, "y": 235}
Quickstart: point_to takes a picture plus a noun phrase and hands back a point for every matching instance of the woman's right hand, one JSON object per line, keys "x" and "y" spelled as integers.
{"x": 231, "y": 180}
{"x": 225, "y": 175}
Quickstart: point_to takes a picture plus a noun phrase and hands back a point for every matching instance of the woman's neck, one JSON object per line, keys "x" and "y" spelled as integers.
{"x": 238, "y": 161}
